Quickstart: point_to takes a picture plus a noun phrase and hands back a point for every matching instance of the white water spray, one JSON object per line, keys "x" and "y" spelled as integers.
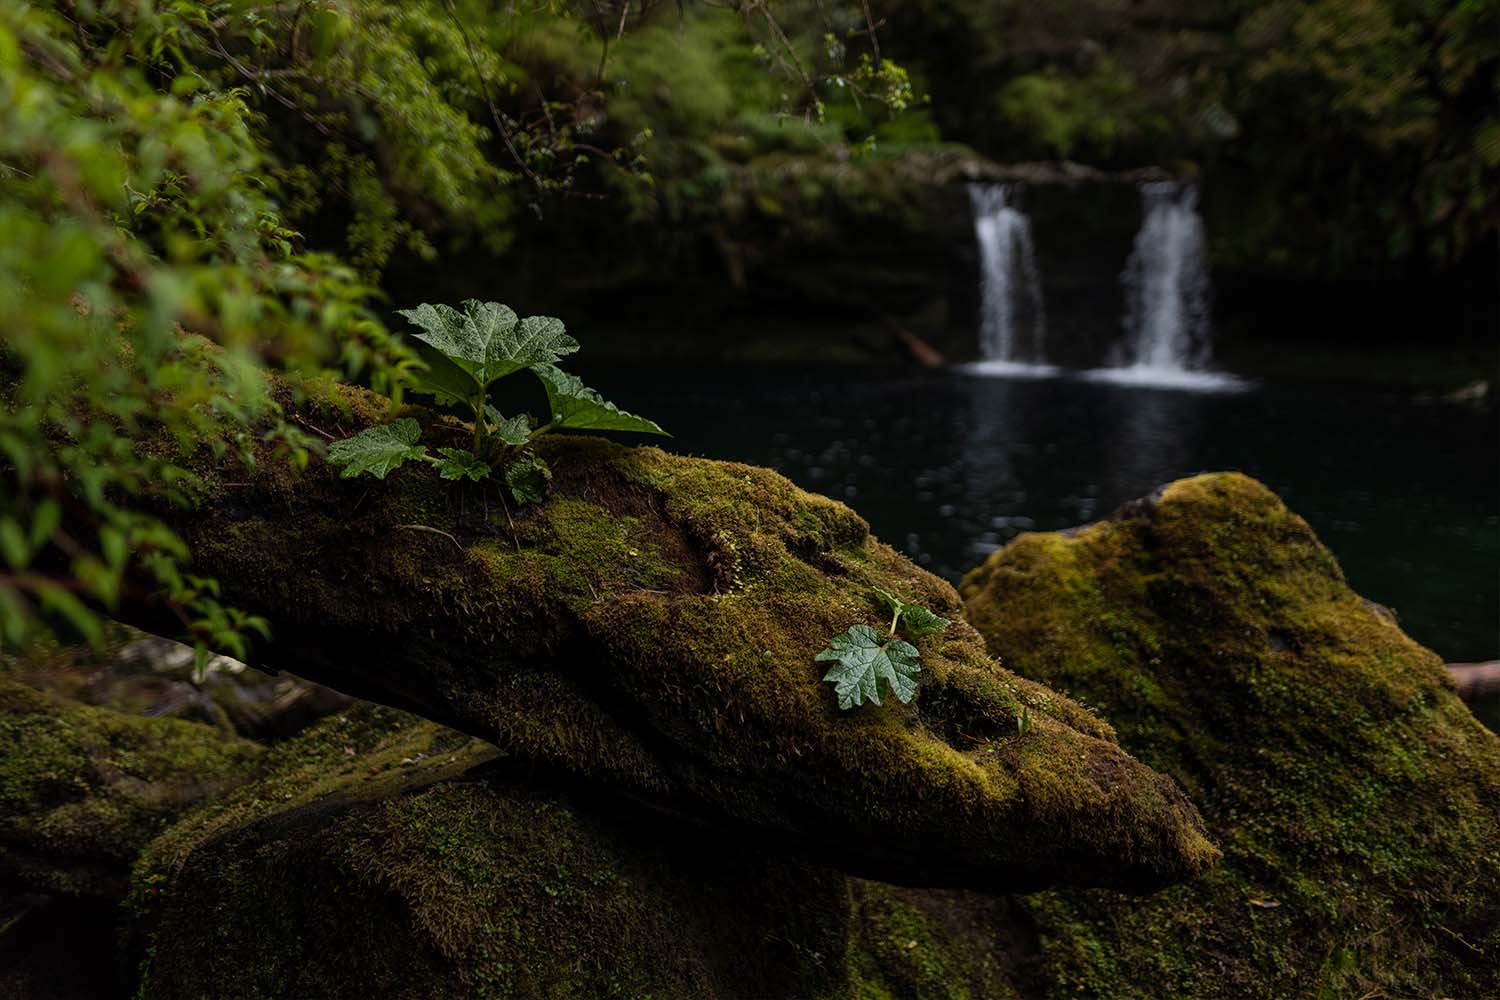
{"x": 1167, "y": 327}
{"x": 1013, "y": 325}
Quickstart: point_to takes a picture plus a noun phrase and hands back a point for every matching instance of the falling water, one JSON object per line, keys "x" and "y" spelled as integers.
{"x": 1166, "y": 284}
{"x": 1013, "y": 326}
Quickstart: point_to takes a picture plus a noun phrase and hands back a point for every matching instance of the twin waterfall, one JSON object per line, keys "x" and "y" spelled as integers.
{"x": 1167, "y": 333}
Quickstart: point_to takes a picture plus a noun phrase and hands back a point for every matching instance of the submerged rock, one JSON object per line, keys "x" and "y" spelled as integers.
{"x": 652, "y": 628}
{"x": 1356, "y": 799}
{"x": 387, "y": 857}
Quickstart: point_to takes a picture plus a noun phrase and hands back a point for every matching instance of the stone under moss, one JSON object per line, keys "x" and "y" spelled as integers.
{"x": 652, "y": 627}
{"x": 83, "y": 789}
{"x": 387, "y": 857}
{"x": 1356, "y": 799}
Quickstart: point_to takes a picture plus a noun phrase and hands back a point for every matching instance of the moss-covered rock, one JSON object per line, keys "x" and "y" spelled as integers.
{"x": 83, "y": 789}
{"x": 652, "y": 627}
{"x": 1355, "y": 797}
{"x": 386, "y": 857}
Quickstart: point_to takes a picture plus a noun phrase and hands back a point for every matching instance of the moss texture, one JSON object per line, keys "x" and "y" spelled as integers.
{"x": 83, "y": 789}
{"x": 385, "y": 857}
{"x": 1355, "y": 797}
{"x": 652, "y": 627}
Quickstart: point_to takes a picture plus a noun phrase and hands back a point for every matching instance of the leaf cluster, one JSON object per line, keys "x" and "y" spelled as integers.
{"x": 864, "y": 661}
{"x": 465, "y": 352}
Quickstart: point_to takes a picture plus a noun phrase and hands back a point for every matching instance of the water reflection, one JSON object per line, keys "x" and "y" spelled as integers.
{"x": 949, "y": 467}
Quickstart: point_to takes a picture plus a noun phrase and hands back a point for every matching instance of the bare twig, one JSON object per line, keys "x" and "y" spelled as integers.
{"x": 313, "y": 427}
{"x": 484, "y": 86}
{"x": 431, "y": 530}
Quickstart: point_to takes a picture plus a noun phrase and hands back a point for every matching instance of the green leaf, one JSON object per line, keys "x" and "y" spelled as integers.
{"x": 862, "y": 661}
{"x": 457, "y": 463}
{"x": 487, "y": 341}
{"x": 378, "y": 450}
{"x": 916, "y": 621}
{"x": 44, "y": 523}
{"x": 514, "y": 430}
{"x": 571, "y": 404}
{"x": 528, "y": 480}
{"x": 63, "y": 604}
{"x": 13, "y": 544}
{"x": 445, "y": 379}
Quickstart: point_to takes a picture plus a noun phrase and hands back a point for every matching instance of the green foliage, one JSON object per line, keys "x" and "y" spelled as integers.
{"x": 528, "y": 479}
{"x": 916, "y": 621}
{"x": 487, "y": 342}
{"x": 378, "y": 450}
{"x": 135, "y": 206}
{"x": 863, "y": 660}
{"x": 571, "y": 404}
{"x": 475, "y": 349}
{"x": 456, "y": 463}
{"x": 1068, "y": 116}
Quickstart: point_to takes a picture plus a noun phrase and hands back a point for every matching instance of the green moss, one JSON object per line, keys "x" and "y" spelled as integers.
{"x": 1357, "y": 800}
{"x": 925, "y": 946}
{"x": 652, "y": 626}
{"x": 83, "y": 789}
{"x": 379, "y": 859}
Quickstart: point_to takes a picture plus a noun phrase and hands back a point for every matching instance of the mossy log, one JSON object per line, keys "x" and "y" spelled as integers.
{"x": 1356, "y": 798}
{"x": 652, "y": 627}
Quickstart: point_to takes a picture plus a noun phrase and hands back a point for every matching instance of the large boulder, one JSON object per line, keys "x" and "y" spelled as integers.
{"x": 383, "y": 856}
{"x": 652, "y": 626}
{"x": 1356, "y": 799}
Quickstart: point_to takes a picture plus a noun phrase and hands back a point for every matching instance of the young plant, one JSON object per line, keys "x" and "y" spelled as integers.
{"x": 467, "y": 353}
{"x": 863, "y": 659}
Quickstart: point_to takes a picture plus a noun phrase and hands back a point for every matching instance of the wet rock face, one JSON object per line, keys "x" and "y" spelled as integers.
{"x": 387, "y": 857}
{"x": 652, "y": 628}
{"x": 1356, "y": 799}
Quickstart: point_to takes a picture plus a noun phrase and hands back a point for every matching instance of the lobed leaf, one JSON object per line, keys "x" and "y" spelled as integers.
{"x": 862, "y": 662}
{"x": 456, "y": 463}
{"x": 445, "y": 379}
{"x": 378, "y": 450}
{"x": 916, "y": 621}
{"x": 571, "y": 404}
{"x": 528, "y": 479}
{"x": 514, "y": 430}
{"x": 487, "y": 341}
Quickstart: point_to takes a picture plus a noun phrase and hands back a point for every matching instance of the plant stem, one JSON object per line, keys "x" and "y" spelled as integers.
{"x": 894, "y": 618}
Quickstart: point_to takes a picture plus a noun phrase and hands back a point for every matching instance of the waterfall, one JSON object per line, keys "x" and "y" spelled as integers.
{"x": 1013, "y": 326}
{"x": 1166, "y": 284}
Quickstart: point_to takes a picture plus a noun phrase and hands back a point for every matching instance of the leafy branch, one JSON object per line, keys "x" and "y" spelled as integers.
{"x": 465, "y": 354}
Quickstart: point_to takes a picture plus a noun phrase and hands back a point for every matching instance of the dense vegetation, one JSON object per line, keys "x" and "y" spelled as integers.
{"x": 193, "y": 191}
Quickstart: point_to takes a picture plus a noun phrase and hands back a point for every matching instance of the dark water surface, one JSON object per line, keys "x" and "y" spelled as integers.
{"x": 947, "y": 467}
